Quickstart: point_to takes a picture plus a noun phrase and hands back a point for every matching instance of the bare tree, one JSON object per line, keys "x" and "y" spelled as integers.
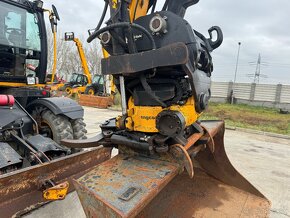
{"x": 68, "y": 60}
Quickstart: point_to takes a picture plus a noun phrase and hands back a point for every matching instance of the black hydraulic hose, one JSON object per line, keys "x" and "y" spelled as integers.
{"x": 165, "y": 5}
{"x": 153, "y": 7}
{"x": 103, "y": 16}
{"x": 122, "y": 25}
{"x": 135, "y": 10}
{"x": 149, "y": 91}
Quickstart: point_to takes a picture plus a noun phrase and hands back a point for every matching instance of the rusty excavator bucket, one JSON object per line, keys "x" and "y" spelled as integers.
{"x": 130, "y": 185}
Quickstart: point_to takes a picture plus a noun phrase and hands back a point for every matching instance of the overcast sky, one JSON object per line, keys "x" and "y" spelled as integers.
{"x": 261, "y": 26}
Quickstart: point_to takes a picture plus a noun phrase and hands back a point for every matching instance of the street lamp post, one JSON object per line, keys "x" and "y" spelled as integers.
{"x": 235, "y": 79}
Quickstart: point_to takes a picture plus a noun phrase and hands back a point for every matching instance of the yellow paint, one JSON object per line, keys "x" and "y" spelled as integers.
{"x": 141, "y": 9}
{"x": 54, "y": 57}
{"x": 58, "y": 192}
{"x": 114, "y": 4}
{"x": 11, "y": 84}
{"x": 83, "y": 60}
{"x": 105, "y": 53}
{"x": 143, "y": 118}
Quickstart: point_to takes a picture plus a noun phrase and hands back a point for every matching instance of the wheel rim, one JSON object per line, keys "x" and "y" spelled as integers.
{"x": 68, "y": 90}
{"x": 91, "y": 92}
{"x": 45, "y": 129}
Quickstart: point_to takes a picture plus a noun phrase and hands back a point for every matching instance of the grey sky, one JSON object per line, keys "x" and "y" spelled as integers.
{"x": 261, "y": 26}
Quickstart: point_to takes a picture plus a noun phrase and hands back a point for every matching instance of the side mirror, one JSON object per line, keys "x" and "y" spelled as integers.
{"x": 54, "y": 17}
{"x": 69, "y": 36}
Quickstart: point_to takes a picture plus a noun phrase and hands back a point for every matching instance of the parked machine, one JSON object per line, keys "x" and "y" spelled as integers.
{"x": 97, "y": 87}
{"x": 162, "y": 68}
{"x": 78, "y": 81}
{"x": 84, "y": 82}
{"x": 32, "y": 124}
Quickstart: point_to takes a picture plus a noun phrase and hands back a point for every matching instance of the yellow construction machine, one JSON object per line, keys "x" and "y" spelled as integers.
{"x": 170, "y": 164}
{"x": 78, "y": 81}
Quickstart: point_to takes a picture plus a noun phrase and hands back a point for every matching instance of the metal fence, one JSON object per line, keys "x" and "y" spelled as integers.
{"x": 276, "y": 96}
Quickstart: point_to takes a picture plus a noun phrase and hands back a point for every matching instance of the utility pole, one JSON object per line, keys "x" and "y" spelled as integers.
{"x": 235, "y": 78}
{"x": 257, "y": 73}
{"x": 237, "y": 63}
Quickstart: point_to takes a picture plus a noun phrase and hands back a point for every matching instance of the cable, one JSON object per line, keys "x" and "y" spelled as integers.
{"x": 149, "y": 91}
{"x": 135, "y": 10}
{"x": 122, "y": 25}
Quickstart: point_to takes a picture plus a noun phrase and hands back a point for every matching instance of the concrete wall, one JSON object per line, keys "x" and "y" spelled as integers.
{"x": 267, "y": 95}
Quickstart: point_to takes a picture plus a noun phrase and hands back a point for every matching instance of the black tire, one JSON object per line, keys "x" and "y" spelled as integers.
{"x": 79, "y": 129}
{"x": 90, "y": 90}
{"x": 79, "y": 132}
{"x": 59, "y": 126}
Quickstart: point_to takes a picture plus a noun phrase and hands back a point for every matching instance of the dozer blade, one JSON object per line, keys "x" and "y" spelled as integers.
{"x": 22, "y": 191}
{"x": 133, "y": 186}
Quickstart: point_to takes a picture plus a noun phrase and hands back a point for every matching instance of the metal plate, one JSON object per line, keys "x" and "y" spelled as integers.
{"x": 204, "y": 196}
{"x": 8, "y": 156}
{"x": 123, "y": 186}
{"x": 153, "y": 188}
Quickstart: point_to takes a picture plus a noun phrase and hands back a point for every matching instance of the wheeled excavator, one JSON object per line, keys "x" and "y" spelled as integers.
{"x": 170, "y": 164}
{"x": 34, "y": 167}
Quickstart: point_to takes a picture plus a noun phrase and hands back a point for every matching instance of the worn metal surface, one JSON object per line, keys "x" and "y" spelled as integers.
{"x": 229, "y": 194}
{"x": 174, "y": 54}
{"x": 57, "y": 192}
{"x": 217, "y": 163}
{"x": 204, "y": 196}
{"x": 21, "y": 191}
{"x": 102, "y": 191}
{"x": 84, "y": 143}
{"x": 8, "y": 156}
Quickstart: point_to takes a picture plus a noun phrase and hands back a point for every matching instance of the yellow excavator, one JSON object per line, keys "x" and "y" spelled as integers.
{"x": 170, "y": 164}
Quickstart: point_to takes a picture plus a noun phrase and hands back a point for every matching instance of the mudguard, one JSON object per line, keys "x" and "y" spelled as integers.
{"x": 60, "y": 106}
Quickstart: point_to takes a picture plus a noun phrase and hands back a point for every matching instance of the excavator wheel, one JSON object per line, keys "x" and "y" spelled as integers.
{"x": 56, "y": 127}
{"x": 79, "y": 132}
{"x": 90, "y": 91}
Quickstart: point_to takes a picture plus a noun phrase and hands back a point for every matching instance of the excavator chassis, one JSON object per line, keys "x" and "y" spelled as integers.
{"x": 22, "y": 191}
{"x": 130, "y": 185}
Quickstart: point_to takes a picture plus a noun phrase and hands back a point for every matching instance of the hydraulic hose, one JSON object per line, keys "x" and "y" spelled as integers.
{"x": 149, "y": 91}
{"x": 103, "y": 16}
{"x": 122, "y": 25}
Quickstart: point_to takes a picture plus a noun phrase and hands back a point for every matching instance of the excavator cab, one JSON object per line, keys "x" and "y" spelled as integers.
{"x": 78, "y": 79}
{"x": 97, "y": 86}
{"x": 21, "y": 44}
